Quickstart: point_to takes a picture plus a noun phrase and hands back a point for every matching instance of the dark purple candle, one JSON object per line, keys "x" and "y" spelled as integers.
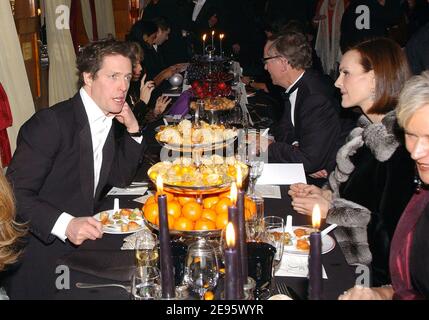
{"x": 231, "y": 265}
{"x": 233, "y": 218}
{"x": 167, "y": 276}
{"x": 242, "y": 227}
{"x": 315, "y": 259}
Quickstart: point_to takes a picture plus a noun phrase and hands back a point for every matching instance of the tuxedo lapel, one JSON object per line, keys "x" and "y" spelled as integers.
{"x": 86, "y": 157}
{"x": 108, "y": 157}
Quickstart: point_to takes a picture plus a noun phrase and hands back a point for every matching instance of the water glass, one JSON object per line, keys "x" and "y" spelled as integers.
{"x": 273, "y": 233}
{"x": 254, "y": 225}
{"x": 145, "y": 284}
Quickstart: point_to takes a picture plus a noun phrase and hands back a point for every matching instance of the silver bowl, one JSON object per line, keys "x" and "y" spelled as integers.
{"x": 176, "y": 80}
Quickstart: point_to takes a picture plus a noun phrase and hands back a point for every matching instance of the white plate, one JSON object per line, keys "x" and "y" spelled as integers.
{"x": 328, "y": 244}
{"x": 116, "y": 229}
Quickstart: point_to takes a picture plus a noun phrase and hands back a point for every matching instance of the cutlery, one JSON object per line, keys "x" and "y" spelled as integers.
{"x": 82, "y": 285}
{"x": 282, "y": 288}
{"x": 328, "y": 229}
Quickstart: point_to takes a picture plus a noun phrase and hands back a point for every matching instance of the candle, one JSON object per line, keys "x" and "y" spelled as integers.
{"x": 221, "y": 36}
{"x": 233, "y": 217}
{"x": 242, "y": 225}
{"x": 315, "y": 258}
{"x": 167, "y": 276}
{"x": 213, "y": 33}
{"x": 204, "y": 43}
{"x": 231, "y": 265}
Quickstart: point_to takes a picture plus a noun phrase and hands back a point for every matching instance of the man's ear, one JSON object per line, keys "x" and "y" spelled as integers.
{"x": 88, "y": 78}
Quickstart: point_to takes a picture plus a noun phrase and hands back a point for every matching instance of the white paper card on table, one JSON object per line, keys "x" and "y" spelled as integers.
{"x": 293, "y": 265}
{"x": 282, "y": 174}
{"x": 143, "y": 198}
{"x": 267, "y": 191}
{"x": 127, "y": 191}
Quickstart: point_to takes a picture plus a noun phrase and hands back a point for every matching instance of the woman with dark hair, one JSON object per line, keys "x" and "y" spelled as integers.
{"x": 409, "y": 251}
{"x": 374, "y": 176}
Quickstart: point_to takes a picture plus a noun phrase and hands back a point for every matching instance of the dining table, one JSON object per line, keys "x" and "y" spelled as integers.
{"x": 86, "y": 264}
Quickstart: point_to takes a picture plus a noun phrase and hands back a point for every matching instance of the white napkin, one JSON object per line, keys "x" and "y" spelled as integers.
{"x": 143, "y": 198}
{"x": 267, "y": 191}
{"x": 293, "y": 265}
{"x": 127, "y": 191}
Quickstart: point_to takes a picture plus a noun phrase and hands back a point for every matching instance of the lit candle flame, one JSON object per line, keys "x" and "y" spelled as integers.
{"x": 230, "y": 235}
{"x": 316, "y": 216}
{"x": 213, "y": 33}
{"x": 239, "y": 177}
{"x": 204, "y": 37}
{"x": 221, "y": 36}
{"x": 159, "y": 185}
{"x": 233, "y": 193}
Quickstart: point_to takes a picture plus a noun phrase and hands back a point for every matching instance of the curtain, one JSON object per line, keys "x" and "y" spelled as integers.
{"x": 13, "y": 75}
{"x": 105, "y": 18}
{"x": 62, "y": 58}
{"x": 87, "y": 18}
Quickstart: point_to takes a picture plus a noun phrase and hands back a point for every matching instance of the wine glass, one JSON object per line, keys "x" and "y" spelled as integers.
{"x": 201, "y": 268}
{"x": 146, "y": 249}
{"x": 255, "y": 171}
{"x": 254, "y": 225}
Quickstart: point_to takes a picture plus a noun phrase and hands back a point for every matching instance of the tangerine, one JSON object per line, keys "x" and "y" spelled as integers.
{"x": 224, "y": 194}
{"x": 171, "y": 221}
{"x": 222, "y": 206}
{"x": 170, "y": 196}
{"x": 192, "y": 211}
{"x": 205, "y": 224}
{"x": 209, "y": 202}
{"x": 183, "y": 224}
{"x": 209, "y": 214}
{"x": 184, "y": 200}
{"x": 150, "y": 200}
{"x": 151, "y": 212}
{"x": 174, "y": 209}
{"x": 221, "y": 220}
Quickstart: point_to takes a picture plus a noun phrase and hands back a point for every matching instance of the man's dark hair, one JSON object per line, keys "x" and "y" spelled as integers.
{"x": 162, "y": 23}
{"x": 91, "y": 58}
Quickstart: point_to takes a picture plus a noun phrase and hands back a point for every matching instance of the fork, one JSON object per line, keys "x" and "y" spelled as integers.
{"x": 82, "y": 285}
{"x": 282, "y": 288}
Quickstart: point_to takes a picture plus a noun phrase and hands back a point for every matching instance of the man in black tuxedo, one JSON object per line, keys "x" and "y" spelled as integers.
{"x": 66, "y": 155}
{"x": 310, "y": 128}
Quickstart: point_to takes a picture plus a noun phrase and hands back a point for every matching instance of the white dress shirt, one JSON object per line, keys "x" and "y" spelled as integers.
{"x": 292, "y": 98}
{"x": 199, "y": 4}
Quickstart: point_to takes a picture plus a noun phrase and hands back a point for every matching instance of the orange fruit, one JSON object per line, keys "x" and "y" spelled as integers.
{"x": 170, "y": 196}
{"x": 171, "y": 221}
{"x": 184, "y": 200}
{"x": 249, "y": 204}
{"x": 174, "y": 209}
{"x": 205, "y": 224}
{"x": 192, "y": 211}
{"x": 248, "y": 214}
{"x": 150, "y": 200}
{"x": 224, "y": 194}
{"x": 183, "y": 224}
{"x": 150, "y": 212}
{"x": 221, "y": 220}
{"x": 209, "y": 202}
{"x": 209, "y": 214}
{"x": 222, "y": 206}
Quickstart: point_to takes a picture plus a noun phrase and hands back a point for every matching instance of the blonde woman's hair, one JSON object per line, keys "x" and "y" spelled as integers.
{"x": 10, "y": 230}
{"x": 414, "y": 96}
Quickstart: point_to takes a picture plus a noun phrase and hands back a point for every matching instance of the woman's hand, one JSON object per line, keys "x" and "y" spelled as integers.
{"x": 161, "y": 103}
{"x": 319, "y": 174}
{"x": 305, "y": 205}
{"x": 303, "y": 190}
{"x": 146, "y": 89}
{"x": 364, "y": 293}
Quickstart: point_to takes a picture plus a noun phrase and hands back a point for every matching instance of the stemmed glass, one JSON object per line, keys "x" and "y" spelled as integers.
{"x": 255, "y": 171}
{"x": 146, "y": 249}
{"x": 145, "y": 283}
{"x": 201, "y": 268}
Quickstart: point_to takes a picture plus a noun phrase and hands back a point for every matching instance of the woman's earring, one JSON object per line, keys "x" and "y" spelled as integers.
{"x": 418, "y": 183}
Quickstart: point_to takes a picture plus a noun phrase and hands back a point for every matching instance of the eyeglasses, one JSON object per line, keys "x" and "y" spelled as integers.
{"x": 265, "y": 60}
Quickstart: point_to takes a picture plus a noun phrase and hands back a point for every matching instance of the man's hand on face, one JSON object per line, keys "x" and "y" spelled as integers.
{"x": 85, "y": 228}
{"x": 127, "y": 118}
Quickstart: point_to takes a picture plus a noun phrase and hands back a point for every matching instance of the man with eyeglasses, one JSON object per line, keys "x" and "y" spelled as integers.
{"x": 310, "y": 128}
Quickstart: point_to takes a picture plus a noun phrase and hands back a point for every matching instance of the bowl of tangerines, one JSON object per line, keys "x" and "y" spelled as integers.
{"x": 193, "y": 216}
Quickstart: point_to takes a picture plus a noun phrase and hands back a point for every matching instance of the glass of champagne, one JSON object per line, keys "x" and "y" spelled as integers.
{"x": 146, "y": 249}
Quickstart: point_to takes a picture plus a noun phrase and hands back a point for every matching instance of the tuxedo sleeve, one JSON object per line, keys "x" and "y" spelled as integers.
{"x": 38, "y": 142}
{"x": 128, "y": 158}
{"x": 319, "y": 127}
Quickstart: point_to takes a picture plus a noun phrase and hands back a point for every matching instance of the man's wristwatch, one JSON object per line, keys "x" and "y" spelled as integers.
{"x": 136, "y": 134}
